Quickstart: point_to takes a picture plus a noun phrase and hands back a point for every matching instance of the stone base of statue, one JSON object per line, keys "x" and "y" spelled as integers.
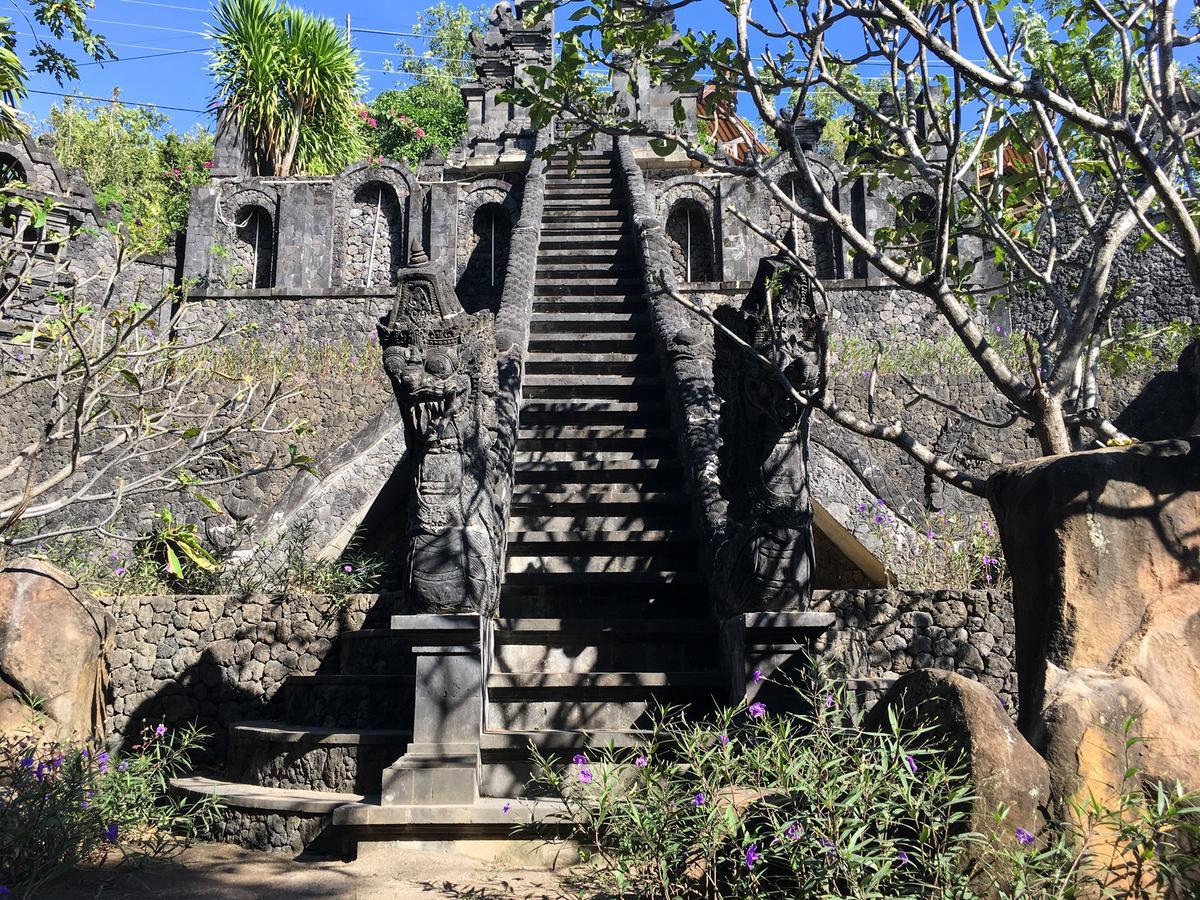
{"x": 439, "y": 766}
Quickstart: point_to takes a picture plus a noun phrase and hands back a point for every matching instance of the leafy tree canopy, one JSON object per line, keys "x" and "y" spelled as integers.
{"x": 126, "y": 155}
{"x": 411, "y": 121}
{"x": 293, "y": 82}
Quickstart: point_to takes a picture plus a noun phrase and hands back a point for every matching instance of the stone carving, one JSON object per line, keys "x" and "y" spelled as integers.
{"x": 766, "y": 558}
{"x": 442, "y": 365}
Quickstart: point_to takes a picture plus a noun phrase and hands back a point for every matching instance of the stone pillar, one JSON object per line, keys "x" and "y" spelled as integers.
{"x": 439, "y": 767}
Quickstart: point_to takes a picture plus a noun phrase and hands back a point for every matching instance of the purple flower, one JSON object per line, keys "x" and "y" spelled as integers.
{"x": 83, "y": 804}
{"x": 1024, "y": 837}
{"x": 724, "y": 739}
{"x": 794, "y": 831}
{"x": 862, "y": 507}
{"x": 579, "y": 759}
{"x": 931, "y": 534}
{"x": 40, "y": 772}
{"x": 347, "y": 569}
{"x": 752, "y": 856}
{"x": 506, "y": 807}
{"x": 828, "y": 845}
{"x": 911, "y": 764}
{"x": 758, "y": 676}
{"x": 110, "y": 833}
{"x": 120, "y": 572}
{"x": 641, "y": 762}
{"x": 3, "y": 890}
{"x": 585, "y": 775}
{"x": 757, "y": 710}
{"x": 113, "y": 554}
{"x": 27, "y": 762}
{"x": 699, "y": 799}
{"x": 903, "y": 858}
{"x": 160, "y": 730}
{"x": 123, "y": 766}
{"x": 829, "y": 701}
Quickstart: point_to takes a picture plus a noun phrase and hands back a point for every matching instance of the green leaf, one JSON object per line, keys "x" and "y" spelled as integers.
{"x": 173, "y": 565}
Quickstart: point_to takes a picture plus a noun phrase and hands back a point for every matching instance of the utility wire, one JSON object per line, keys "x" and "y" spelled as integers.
{"x": 119, "y": 102}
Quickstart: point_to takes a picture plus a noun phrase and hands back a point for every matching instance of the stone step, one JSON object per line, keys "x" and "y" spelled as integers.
{"x": 540, "y": 595}
{"x": 505, "y": 757}
{"x": 593, "y": 499}
{"x": 531, "y": 470}
{"x": 594, "y": 584}
{"x": 603, "y": 701}
{"x": 608, "y": 304}
{"x": 492, "y": 817}
{"x": 547, "y": 287}
{"x": 590, "y": 343}
{"x": 591, "y": 434}
{"x": 557, "y": 323}
{"x": 255, "y": 798}
{"x": 593, "y": 459}
{"x": 548, "y": 449}
{"x": 276, "y": 755}
{"x": 600, "y": 387}
{"x": 543, "y": 544}
{"x": 585, "y": 253}
{"x": 560, "y": 215}
{"x": 580, "y": 413}
{"x": 558, "y": 202}
{"x": 612, "y": 562}
{"x": 589, "y": 185}
{"x": 566, "y": 239}
{"x": 534, "y": 521}
{"x": 588, "y": 267}
{"x": 590, "y": 363}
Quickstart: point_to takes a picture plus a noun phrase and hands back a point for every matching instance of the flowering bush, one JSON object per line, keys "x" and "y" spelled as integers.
{"x": 64, "y": 804}
{"x": 752, "y": 803}
{"x": 951, "y": 550}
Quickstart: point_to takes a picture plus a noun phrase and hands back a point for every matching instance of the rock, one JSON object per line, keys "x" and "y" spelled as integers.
{"x": 53, "y": 641}
{"x": 1104, "y": 550}
{"x": 968, "y": 720}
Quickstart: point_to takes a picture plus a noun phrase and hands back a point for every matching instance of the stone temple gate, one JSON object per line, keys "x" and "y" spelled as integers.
{"x": 598, "y": 501}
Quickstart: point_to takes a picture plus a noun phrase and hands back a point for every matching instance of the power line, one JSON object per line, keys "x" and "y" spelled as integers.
{"x": 198, "y": 9}
{"x": 119, "y": 102}
{"x": 145, "y": 56}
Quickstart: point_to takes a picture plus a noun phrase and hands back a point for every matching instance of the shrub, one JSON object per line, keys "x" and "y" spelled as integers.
{"x": 750, "y": 803}
{"x": 65, "y": 804}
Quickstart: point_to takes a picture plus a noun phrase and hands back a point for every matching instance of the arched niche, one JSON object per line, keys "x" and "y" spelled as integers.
{"x": 487, "y": 212}
{"x": 481, "y": 281}
{"x": 12, "y": 171}
{"x": 691, "y": 239}
{"x": 375, "y": 234}
{"x": 373, "y": 223}
{"x": 813, "y": 240}
{"x": 252, "y": 255}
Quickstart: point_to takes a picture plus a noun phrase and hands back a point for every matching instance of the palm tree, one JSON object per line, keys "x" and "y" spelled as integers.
{"x": 292, "y": 81}
{"x": 12, "y": 84}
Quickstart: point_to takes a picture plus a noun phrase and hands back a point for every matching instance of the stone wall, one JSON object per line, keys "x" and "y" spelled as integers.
{"x": 216, "y": 660}
{"x": 885, "y": 633}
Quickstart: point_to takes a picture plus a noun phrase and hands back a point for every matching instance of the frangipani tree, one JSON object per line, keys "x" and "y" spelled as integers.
{"x": 1049, "y": 136}
{"x": 292, "y": 81}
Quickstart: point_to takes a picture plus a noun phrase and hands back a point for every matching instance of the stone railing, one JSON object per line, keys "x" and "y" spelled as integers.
{"x": 685, "y": 342}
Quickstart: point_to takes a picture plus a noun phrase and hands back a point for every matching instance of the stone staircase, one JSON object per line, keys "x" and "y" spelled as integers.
{"x": 603, "y": 611}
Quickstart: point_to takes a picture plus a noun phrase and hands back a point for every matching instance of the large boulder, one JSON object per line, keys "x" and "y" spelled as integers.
{"x": 967, "y": 720}
{"x": 1104, "y": 551}
{"x": 53, "y": 641}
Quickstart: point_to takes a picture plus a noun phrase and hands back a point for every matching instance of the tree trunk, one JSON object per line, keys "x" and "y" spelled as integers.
{"x": 1051, "y": 429}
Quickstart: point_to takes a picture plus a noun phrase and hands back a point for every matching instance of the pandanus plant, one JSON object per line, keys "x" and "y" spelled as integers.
{"x": 292, "y": 81}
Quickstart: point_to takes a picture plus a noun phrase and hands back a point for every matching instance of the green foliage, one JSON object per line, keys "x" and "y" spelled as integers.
{"x": 292, "y": 81}
{"x": 752, "y": 803}
{"x": 65, "y": 804}
{"x": 411, "y": 121}
{"x": 177, "y": 547}
{"x": 1139, "y": 349}
{"x": 1142, "y": 844}
{"x": 126, "y": 157}
{"x": 945, "y": 550}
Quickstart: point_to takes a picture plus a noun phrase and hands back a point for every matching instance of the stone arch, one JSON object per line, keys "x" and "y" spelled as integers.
{"x": 690, "y": 236}
{"x": 373, "y": 223}
{"x": 249, "y": 239}
{"x": 12, "y": 170}
{"x": 253, "y": 252}
{"x": 816, "y": 241}
{"x": 487, "y": 213}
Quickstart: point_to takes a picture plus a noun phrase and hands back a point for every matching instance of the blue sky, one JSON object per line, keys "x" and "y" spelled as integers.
{"x": 142, "y": 28}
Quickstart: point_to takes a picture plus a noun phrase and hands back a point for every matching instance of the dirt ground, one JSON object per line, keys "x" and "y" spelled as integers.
{"x": 223, "y": 872}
